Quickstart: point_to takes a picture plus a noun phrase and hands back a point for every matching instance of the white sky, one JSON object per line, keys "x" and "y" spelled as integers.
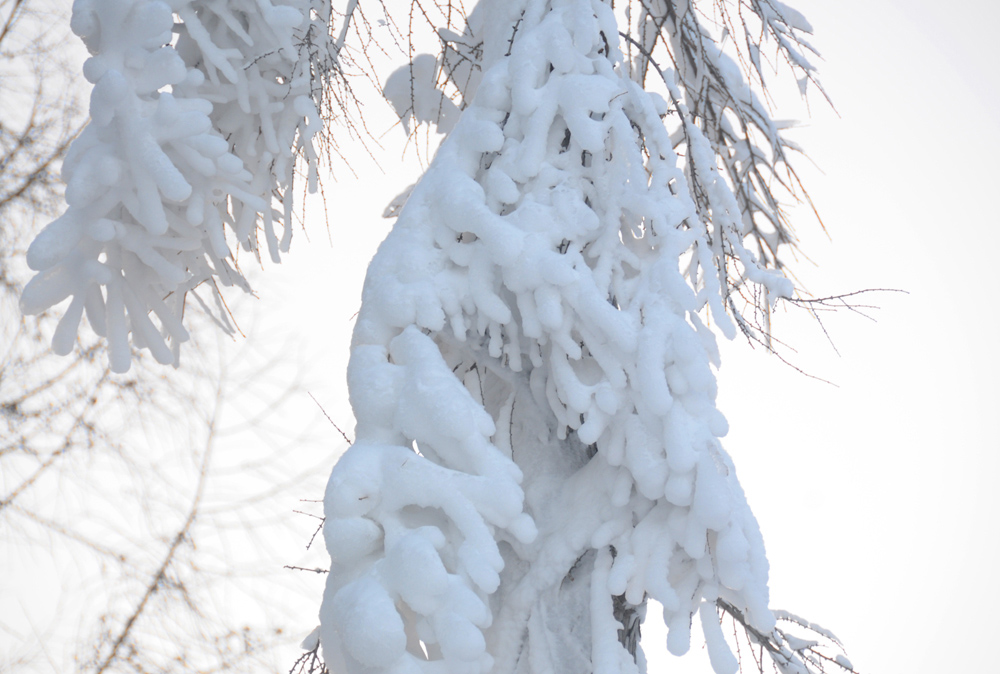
{"x": 876, "y": 497}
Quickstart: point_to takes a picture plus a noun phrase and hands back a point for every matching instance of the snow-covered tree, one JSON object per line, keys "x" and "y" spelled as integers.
{"x": 538, "y": 449}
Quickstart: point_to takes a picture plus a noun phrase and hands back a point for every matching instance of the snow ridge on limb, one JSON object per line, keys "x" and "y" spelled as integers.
{"x": 195, "y": 128}
{"x": 527, "y": 340}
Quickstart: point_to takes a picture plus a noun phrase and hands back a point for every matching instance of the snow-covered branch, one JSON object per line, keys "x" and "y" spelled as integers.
{"x": 735, "y": 154}
{"x": 820, "y": 653}
{"x": 198, "y": 114}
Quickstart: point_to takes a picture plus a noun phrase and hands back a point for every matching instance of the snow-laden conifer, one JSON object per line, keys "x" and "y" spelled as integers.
{"x": 196, "y": 125}
{"x": 538, "y": 445}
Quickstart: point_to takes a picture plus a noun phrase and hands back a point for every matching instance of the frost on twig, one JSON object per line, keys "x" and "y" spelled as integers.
{"x": 709, "y": 79}
{"x": 199, "y": 113}
{"x": 821, "y": 652}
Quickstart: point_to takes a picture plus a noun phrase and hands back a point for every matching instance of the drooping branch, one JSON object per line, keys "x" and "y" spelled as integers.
{"x": 790, "y": 654}
{"x": 186, "y": 141}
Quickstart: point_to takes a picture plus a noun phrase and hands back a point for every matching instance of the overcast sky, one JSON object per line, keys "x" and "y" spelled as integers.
{"x": 878, "y": 499}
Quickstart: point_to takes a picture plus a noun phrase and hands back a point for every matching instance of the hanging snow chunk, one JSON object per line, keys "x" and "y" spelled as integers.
{"x": 367, "y": 622}
{"x": 412, "y": 92}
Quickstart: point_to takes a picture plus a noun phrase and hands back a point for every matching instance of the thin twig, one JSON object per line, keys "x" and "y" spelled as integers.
{"x": 342, "y": 433}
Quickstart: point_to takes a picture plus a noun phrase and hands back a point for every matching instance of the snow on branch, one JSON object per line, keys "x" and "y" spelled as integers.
{"x": 820, "y": 653}
{"x": 734, "y": 148}
{"x": 707, "y": 57}
{"x": 199, "y": 113}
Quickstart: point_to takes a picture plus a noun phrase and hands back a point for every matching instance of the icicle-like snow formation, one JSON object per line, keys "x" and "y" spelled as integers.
{"x": 528, "y": 345}
{"x": 195, "y": 127}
